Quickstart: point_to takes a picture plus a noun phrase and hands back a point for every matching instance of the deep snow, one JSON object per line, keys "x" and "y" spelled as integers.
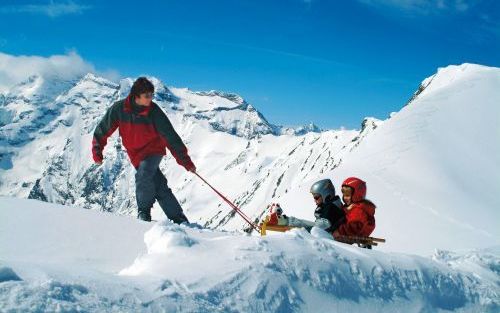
{"x": 433, "y": 169}
{"x": 59, "y": 259}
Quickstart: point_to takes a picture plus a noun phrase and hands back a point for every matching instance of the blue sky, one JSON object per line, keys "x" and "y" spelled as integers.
{"x": 329, "y": 62}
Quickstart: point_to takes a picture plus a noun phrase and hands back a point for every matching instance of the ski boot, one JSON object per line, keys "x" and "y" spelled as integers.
{"x": 145, "y": 216}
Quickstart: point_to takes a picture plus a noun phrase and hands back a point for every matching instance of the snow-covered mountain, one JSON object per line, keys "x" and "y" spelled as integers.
{"x": 432, "y": 168}
{"x": 60, "y": 259}
{"x": 46, "y": 150}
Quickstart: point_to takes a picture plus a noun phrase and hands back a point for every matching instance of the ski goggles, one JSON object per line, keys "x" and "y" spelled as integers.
{"x": 316, "y": 196}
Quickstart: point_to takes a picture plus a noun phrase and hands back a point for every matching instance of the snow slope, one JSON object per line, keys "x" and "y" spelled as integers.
{"x": 57, "y": 259}
{"x": 433, "y": 168}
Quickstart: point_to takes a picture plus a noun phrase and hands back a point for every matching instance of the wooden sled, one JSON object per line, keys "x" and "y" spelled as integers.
{"x": 359, "y": 240}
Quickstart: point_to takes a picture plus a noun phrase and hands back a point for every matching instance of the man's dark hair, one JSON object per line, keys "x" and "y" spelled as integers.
{"x": 141, "y": 85}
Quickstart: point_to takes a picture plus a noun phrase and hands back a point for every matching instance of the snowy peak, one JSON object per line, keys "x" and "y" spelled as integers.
{"x": 93, "y": 81}
{"x": 225, "y": 112}
{"x": 434, "y": 167}
{"x": 229, "y": 96}
{"x": 88, "y": 89}
{"x": 162, "y": 93}
{"x": 446, "y": 77}
{"x": 28, "y": 109}
{"x": 369, "y": 124}
{"x": 219, "y": 111}
{"x": 38, "y": 89}
{"x": 300, "y": 130}
{"x": 204, "y": 101}
{"x": 230, "y": 113}
{"x": 27, "y": 87}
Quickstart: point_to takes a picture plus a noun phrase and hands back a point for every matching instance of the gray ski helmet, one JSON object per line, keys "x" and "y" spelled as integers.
{"x": 324, "y": 188}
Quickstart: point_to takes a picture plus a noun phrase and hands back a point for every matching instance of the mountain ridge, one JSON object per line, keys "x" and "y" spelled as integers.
{"x": 51, "y": 159}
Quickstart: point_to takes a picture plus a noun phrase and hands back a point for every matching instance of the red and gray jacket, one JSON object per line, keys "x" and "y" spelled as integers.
{"x": 145, "y": 131}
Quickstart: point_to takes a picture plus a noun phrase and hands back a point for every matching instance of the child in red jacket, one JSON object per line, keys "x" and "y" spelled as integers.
{"x": 360, "y": 212}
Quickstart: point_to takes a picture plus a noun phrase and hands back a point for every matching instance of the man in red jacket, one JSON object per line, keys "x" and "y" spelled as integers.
{"x": 360, "y": 212}
{"x": 146, "y": 132}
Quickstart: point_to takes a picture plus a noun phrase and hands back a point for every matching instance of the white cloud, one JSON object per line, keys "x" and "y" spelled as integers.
{"x": 423, "y": 6}
{"x": 51, "y": 9}
{"x": 15, "y": 69}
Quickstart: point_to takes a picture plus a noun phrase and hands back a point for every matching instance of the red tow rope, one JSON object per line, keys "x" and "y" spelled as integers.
{"x": 234, "y": 207}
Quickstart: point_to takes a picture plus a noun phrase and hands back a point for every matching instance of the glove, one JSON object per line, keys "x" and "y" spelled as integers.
{"x": 97, "y": 157}
{"x": 283, "y": 220}
{"x": 191, "y": 167}
{"x": 322, "y": 223}
{"x": 297, "y": 222}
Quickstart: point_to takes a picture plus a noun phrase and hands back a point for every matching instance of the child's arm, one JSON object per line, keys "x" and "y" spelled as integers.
{"x": 297, "y": 222}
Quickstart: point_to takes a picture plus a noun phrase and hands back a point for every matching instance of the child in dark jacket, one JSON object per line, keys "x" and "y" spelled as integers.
{"x": 328, "y": 213}
{"x": 360, "y": 212}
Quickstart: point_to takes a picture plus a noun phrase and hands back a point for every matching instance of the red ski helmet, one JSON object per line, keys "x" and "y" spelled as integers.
{"x": 358, "y": 188}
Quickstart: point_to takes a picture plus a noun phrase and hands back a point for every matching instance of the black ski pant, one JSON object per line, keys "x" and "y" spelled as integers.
{"x": 151, "y": 185}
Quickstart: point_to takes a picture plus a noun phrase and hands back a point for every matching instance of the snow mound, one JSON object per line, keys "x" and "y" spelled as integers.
{"x": 159, "y": 240}
{"x": 52, "y": 296}
{"x": 165, "y": 235}
{"x": 7, "y": 274}
{"x": 292, "y": 271}
{"x": 60, "y": 259}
